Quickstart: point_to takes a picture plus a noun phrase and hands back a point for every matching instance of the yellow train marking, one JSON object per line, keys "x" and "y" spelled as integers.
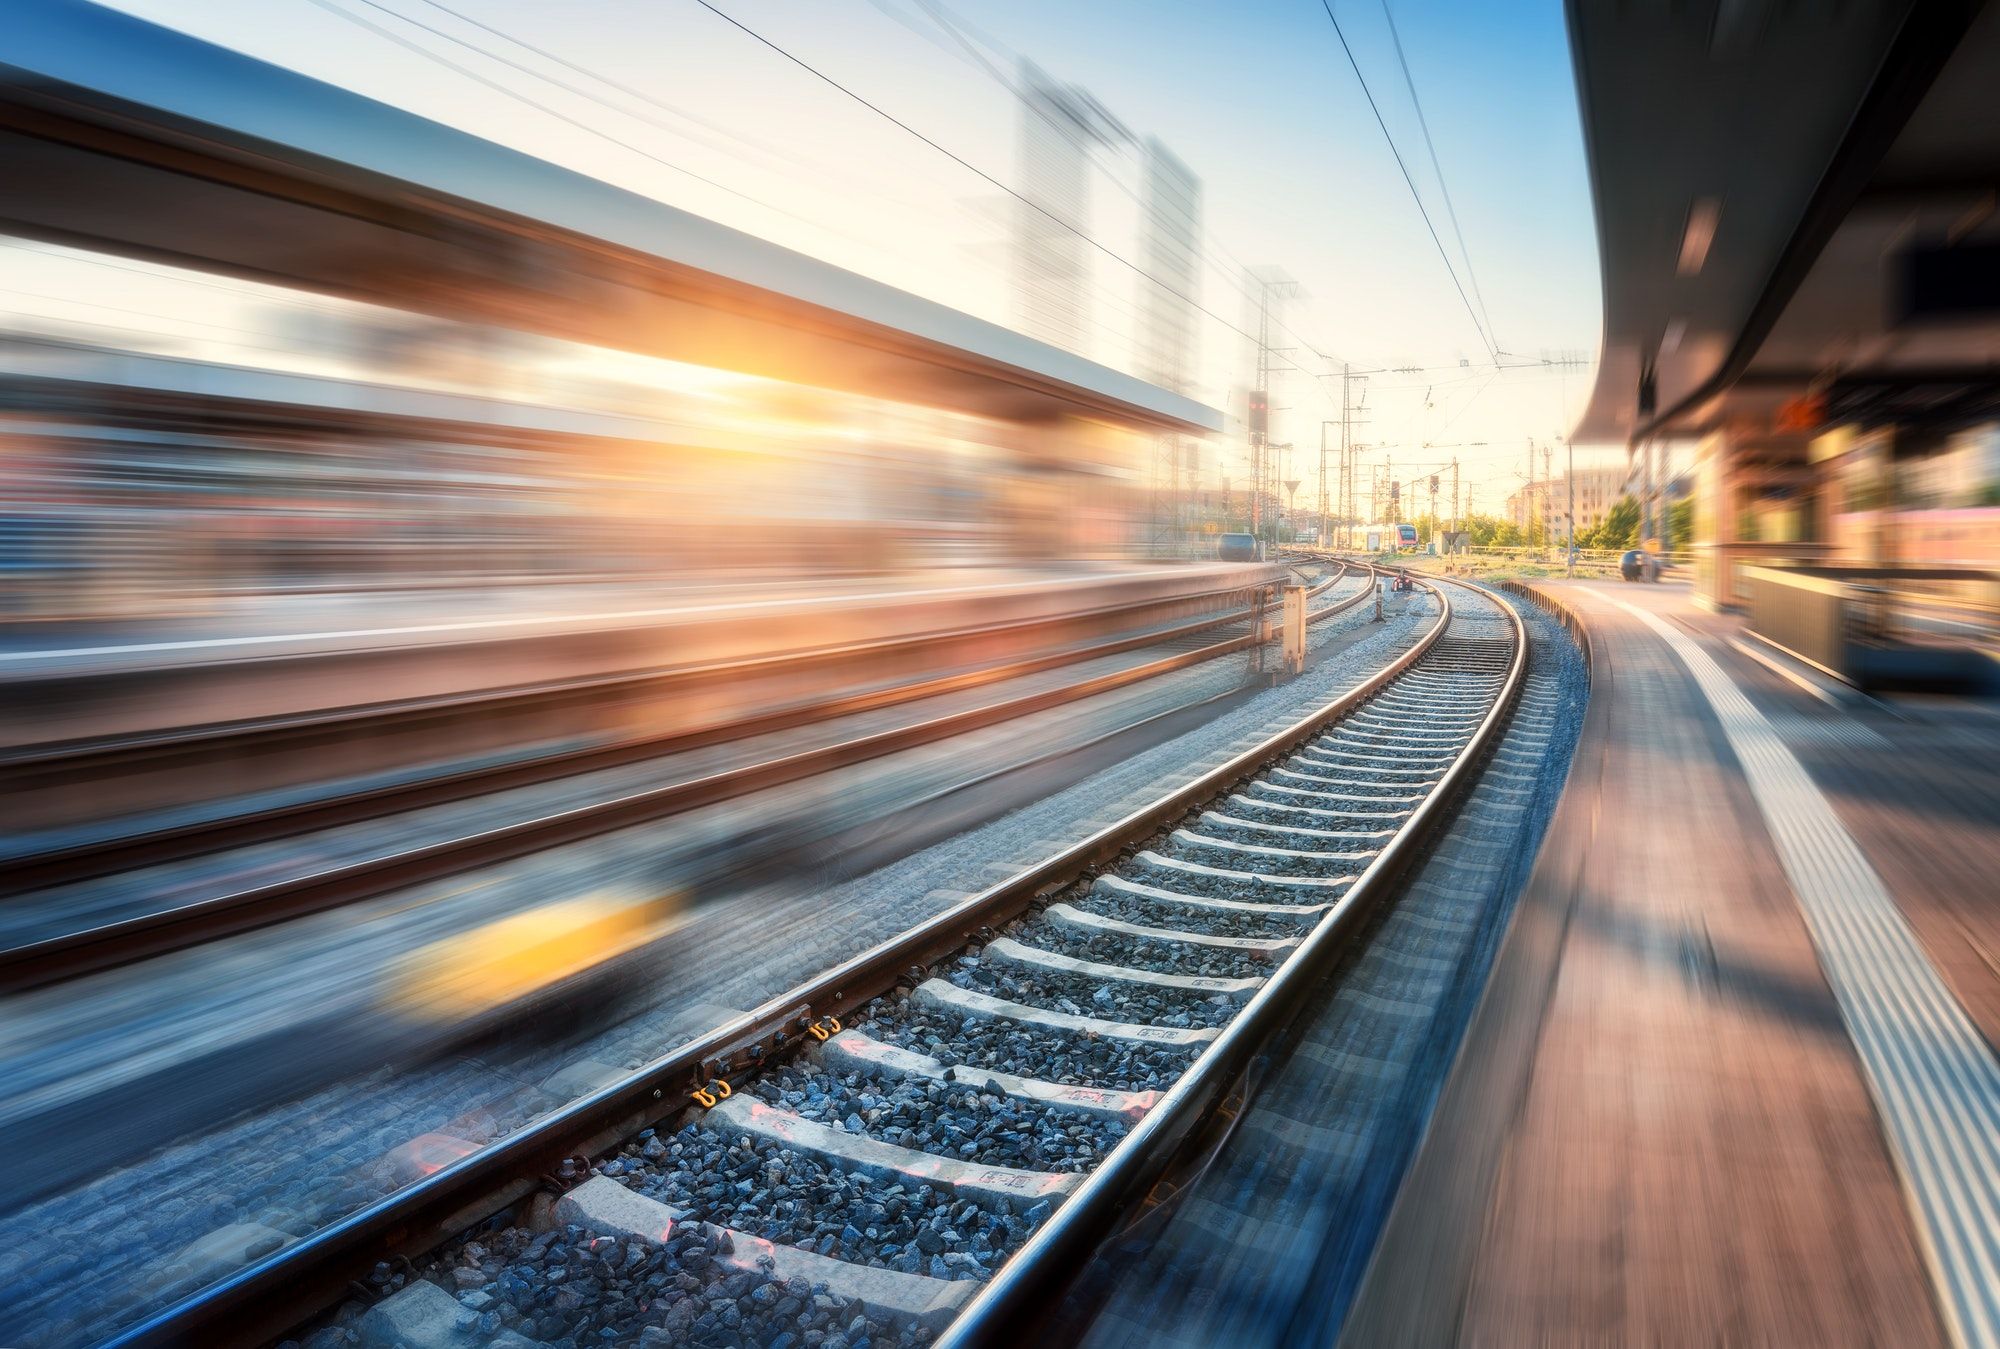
{"x": 503, "y": 961}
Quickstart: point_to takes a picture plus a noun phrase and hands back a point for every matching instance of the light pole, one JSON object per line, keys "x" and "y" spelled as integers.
{"x": 1271, "y": 451}
{"x": 1456, "y": 519}
{"x": 1325, "y": 531}
{"x": 1569, "y": 475}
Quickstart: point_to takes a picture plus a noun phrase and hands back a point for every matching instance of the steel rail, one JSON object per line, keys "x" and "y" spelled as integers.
{"x": 70, "y": 863}
{"x": 268, "y": 1297}
{"x": 1030, "y": 1286}
{"x": 140, "y": 936}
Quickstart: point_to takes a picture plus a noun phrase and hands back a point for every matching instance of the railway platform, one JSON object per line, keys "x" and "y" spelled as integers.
{"x": 1733, "y": 1079}
{"x": 321, "y": 688}
{"x": 413, "y": 621}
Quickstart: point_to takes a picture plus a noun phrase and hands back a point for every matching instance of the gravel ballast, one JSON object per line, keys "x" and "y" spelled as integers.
{"x": 765, "y": 1190}
{"x": 1272, "y": 863}
{"x": 948, "y": 1118}
{"x": 1081, "y": 996}
{"x": 1244, "y": 887}
{"x": 656, "y": 1295}
{"x": 1161, "y": 957}
{"x": 1189, "y": 918}
{"x": 977, "y": 1042}
{"x": 300, "y": 1165}
{"x": 568, "y": 1287}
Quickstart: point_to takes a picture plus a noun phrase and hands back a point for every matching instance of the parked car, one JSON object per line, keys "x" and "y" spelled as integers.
{"x": 1240, "y": 548}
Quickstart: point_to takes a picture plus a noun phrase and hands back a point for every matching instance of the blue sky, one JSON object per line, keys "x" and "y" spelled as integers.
{"x": 1256, "y": 97}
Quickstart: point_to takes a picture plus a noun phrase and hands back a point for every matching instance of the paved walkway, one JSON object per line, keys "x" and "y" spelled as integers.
{"x": 1734, "y": 1081}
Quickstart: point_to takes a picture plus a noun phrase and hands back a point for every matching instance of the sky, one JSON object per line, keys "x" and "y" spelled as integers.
{"x": 1258, "y": 98}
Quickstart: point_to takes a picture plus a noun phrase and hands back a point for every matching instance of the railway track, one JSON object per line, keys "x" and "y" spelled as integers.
{"x": 979, "y": 1101}
{"x": 172, "y": 917}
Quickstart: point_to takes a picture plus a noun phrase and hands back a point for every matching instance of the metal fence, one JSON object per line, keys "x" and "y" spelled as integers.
{"x": 1589, "y": 561}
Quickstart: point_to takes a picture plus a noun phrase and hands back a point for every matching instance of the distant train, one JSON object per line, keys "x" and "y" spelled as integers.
{"x": 1392, "y": 538}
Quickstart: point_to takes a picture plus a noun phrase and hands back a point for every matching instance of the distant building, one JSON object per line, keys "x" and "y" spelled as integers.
{"x": 1597, "y": 491}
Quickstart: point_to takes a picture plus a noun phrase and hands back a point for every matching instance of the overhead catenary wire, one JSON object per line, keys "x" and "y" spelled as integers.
{"x": 1231, "y": 267}
{"x": 337, "y": 9}
{"x": 1471, "y": 398}
{"x": 789, "y": 156}
{"x": 556, "y": 58}
{"x": 976, "y": 170}
{"x": 1451, "y": 211}
{"x": 572, "y": 89}
{"x": 967, "y": 38}
{"x": 334, "y": 7}
{"x": 982, "y": 174}
{"x": 1408, "y": 181}
{"x": 945, "y": 21}
{"x": 583, "y": 70}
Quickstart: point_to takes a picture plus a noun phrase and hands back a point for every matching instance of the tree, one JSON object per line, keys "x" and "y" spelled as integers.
{"x": 1490, "y": 531}
{"x": 1618, "y": 529}
{"x": 1680, "y": 523}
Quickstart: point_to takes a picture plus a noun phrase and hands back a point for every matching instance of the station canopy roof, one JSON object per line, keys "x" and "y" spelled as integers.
{"x": 1796, "y": 211}
{"x": 127, "y": 137}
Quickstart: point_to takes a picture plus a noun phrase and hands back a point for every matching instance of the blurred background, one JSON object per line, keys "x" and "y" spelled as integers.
{"x": 159, "y": 463}
{"x": 491, "y": 480}
{"x": 150, "y": 469}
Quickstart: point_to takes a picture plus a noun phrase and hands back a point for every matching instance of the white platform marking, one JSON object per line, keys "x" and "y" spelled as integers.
{"x": 1935, "y": 1080}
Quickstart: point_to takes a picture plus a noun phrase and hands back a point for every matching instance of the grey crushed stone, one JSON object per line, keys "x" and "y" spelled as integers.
{"x": 1074, "y": 1060}
{"x": 1249, "y": 890}
{"x": 1111, "y": 1000}
{"x": 956, "y": 1120}
{"x": 1129, "y": 908}
{"x": 1160, "y": 957}
{"x": 569, "y": 1288}
{"x": 763, "y": 1189}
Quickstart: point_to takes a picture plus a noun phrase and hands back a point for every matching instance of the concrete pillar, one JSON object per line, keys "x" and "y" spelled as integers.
{"x": 1295, "y": 629}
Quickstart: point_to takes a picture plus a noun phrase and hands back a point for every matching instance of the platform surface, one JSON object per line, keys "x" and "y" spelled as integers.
{"x": 317, "y": 622}
{"x": 309, "y": 655}
{"x": 1734, "y": 1079}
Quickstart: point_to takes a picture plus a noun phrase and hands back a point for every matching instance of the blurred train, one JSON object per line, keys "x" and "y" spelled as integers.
{"x": 527, "y": 964}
